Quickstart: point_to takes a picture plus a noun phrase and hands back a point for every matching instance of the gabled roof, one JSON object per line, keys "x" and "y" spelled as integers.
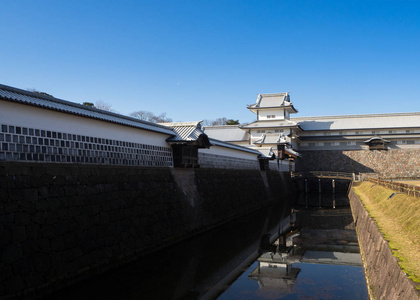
{"x": 376, "y": 139}
{"x": 292, "y": 152}
{"x": 188, "y": 132}
{"x": 12, "y": 94}
{"x": 185, "y": 131}
{"x": 270, "y": 124}
{"x": 354, "y": 122}
{"x": 266, "y": 152}
{"x": 279, "y": 100}
{"x": 226, "y": 133}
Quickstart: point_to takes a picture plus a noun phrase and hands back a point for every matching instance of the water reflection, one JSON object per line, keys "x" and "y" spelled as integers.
{"x": 199, "y": 268}
{"x": 240, "y": 261}
{"x": 295, "y": 268}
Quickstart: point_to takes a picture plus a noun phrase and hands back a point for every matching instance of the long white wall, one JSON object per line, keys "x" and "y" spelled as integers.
{"x": 35, "y": 134}
{"x": 227, "y": 158}
{"x": 34, "y": 117}
{"x": 29, "y": 133}
{"x": 219, "y": 150}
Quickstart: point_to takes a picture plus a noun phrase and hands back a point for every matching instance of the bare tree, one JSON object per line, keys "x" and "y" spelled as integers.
{"x": 103, "y": 105}
{"x": 219, "y": 121}
{"x": 142, "y": 115}
{"x": 207, "y": 122}
{"x": 150, "y": 117}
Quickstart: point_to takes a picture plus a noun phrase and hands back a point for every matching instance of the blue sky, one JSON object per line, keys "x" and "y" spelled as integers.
{"x": 199, "y": 60}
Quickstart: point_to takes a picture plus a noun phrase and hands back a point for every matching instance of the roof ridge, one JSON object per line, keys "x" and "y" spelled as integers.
{"x": 357, "y": 116}
{"x": 72, "y": 104}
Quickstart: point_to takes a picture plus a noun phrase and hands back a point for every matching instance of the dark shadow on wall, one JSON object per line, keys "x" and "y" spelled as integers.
{"x": 329, "y": 161}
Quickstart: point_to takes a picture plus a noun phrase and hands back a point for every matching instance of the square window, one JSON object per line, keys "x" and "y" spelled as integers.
{"x": 43, "y": 133}
{"x": 37, "y": 132}
{"x": 54, "y": 134}
{"x": 3, "y": 128}
{"x": 1, "y": 137}
{"x": 31, "y": 131}
{"x": 18, "y": 130}
{"x": 49, "y": 134}
{"x": 11, "y": 129}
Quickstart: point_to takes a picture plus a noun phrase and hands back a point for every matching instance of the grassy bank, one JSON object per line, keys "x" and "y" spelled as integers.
{"x": 398, "y": 218}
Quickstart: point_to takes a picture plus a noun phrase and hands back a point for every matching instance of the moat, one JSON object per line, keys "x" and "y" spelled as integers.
{"x": 317, "y": 258}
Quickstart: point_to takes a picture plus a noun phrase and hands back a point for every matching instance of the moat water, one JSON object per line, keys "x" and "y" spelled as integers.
{"x": 228, "y": 262}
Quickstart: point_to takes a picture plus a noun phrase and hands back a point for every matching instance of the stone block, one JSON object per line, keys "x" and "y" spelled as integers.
{"x": 18, "y": 234}
{"x": 14, "y": 284}
{"x": 11, "y": 253}
{"x": 22, "y": 218}
{"x": 6, "y": 237}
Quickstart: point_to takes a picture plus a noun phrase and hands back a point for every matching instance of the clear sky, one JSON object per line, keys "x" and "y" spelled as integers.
{"x": 199, "y": 60}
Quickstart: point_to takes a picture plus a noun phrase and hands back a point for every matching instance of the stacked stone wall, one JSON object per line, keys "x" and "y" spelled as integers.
{"x": 393, "y": 163}
{"x": 384, "y": 276}
{"x": 62, "y": 222}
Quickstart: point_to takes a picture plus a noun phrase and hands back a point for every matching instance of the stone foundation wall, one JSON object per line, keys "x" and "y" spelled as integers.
{"x": 393, "y": 163}
{"x": 385, "y": 278}
{"x": 62, "y": 222}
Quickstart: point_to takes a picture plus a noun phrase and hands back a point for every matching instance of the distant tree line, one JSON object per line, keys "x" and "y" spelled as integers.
{"x": 220, "y": 121}
{"x": 150, "y": 117}
{"x": 147, "y": 115}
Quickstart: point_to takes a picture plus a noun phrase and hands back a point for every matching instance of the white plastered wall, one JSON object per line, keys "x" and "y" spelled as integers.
{"x": 33, "y": 117}
{"x": 218, "y": 150}
{"x": 278, "y": 113}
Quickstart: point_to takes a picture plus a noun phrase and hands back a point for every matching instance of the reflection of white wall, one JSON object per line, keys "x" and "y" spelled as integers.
{"x": 273, "y": 268}
{"x": 39, "y": 118}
